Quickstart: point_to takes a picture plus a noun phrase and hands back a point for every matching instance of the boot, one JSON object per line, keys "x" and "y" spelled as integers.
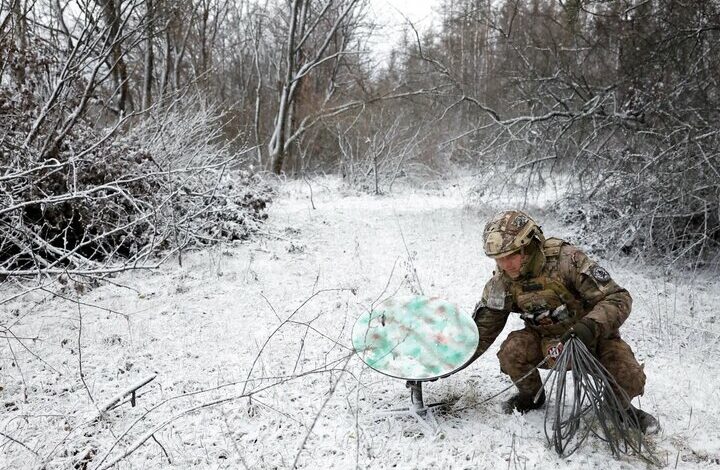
{"x": 523, "y": 403}
{"x": 642, "y": 420}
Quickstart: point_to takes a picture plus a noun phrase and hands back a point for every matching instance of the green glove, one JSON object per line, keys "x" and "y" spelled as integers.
{"x": 585, "y": 330}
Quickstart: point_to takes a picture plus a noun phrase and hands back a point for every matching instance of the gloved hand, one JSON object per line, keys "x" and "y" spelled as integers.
{"x": 585, "y": 330}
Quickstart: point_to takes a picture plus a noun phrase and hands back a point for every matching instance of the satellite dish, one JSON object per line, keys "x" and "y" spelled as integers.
{"x": 415, "y": 338}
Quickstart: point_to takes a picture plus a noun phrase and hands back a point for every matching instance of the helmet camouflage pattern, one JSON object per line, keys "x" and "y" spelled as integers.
{"x": 509, "y": 231}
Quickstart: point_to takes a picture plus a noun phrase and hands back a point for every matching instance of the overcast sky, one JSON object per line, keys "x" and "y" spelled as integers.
{"x": 416, "y": 10}
{"x": 388, "y": 14}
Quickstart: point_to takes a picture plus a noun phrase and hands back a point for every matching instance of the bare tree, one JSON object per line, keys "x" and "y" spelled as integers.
{"x": 112, "y": 11}
{"x": 308, "y": 46}
{"x": 149, "y": 54}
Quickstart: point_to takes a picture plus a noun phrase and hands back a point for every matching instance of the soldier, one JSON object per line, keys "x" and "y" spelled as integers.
{"x": 558, "y": 292}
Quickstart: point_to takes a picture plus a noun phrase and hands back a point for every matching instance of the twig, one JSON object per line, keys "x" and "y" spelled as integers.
{"x": 18, "y": 442}
{"x": 267, "y": 340}
{"x": 312, "y": 203}
{"x": 140, "y": 441}
{"x": 333, "y": 387}
{"x": 387, "y": 284}
{"x": 81, "y": 272}
{"x": 271, "y": 307}
{"x": 8, "y": 330}
{"x": 234, "y": 443}
{"x": 79, "y": 345}
{"x": 17, "y": 363}
{"x": 77, "y": 301}
{"x": 410, "y": 257}
{"x": 163, "y": 448}
{"x": 261, "y": 403}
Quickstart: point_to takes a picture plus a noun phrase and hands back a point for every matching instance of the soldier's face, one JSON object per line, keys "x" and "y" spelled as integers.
{"x": 511, "y": 264}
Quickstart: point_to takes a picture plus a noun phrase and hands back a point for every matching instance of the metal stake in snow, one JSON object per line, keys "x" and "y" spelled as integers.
{"x": 416, "y": 339}
{"x": 117, "y": 399}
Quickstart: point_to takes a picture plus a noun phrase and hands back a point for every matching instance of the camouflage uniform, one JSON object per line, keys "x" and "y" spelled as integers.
{"x": 559, "y": 286}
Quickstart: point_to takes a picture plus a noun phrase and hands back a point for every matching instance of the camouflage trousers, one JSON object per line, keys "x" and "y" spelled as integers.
{"x": 522, "y": 351}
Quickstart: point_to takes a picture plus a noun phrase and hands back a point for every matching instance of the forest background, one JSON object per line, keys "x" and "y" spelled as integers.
{"x": 124, "y": 122}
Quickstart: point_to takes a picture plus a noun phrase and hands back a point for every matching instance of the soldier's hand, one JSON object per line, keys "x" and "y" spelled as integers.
{"x": 585, "y": 330}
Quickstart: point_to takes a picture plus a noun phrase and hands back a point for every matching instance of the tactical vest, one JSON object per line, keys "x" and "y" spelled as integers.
{"x": 539, "y": 297}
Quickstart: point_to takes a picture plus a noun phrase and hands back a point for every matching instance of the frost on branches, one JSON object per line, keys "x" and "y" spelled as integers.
{"x": 78, "y": 196}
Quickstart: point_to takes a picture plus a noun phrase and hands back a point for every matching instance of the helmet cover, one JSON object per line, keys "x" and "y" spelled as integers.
{"x": 508, "y": 231}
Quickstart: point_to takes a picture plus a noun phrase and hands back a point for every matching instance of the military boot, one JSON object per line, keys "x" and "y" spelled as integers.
{"x": 523, "y": 403}
{"x": 642, "y": 420}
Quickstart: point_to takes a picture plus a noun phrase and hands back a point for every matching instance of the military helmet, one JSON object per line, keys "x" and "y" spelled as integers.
{"x": 509, "y": 231}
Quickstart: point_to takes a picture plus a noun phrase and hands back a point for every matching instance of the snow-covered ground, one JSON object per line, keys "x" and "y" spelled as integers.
{"x": 251, "y": 351}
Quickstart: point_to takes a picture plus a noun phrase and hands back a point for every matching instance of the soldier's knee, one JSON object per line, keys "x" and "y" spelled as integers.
{"x": 507, "y": 352}
{"x": 620, "y": 361}
{"x": 636, "y": 383}
{"x": 515, "y": 350}
{"x": 631, "y": 379}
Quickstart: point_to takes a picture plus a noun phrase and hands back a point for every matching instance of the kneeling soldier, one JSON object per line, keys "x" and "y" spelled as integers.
{"x": 558, "y": 292}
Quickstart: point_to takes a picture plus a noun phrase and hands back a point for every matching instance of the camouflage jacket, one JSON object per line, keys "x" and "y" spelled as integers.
{"x": 562, "y": 287}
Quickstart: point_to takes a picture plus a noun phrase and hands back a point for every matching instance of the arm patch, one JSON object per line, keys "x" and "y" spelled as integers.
{"x": 599, "y": 276}
{"x": 495, "y": 295}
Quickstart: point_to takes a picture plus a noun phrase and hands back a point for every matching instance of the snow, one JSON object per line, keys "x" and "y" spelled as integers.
{"x": 294, "y": 293}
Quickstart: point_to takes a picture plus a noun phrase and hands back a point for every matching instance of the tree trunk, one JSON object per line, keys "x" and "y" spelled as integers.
{"x": 258, "y": 91}
{"x": 119, "y": 68}
{"x": 149, "y": 55}
{"x": 277, "y": 142}
{"x": 19, "y": 16}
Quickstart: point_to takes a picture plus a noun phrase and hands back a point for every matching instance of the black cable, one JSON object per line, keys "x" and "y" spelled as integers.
{"x": 594, "y": 404}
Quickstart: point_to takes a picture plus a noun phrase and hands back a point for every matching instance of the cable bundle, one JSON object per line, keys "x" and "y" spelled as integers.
{"x": 592, "y": 403}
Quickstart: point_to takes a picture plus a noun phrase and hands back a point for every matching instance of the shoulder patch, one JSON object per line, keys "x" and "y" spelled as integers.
{"x": 596, "y": 272}
{"x": 495, "y": 294}
{"x": 600, "y": 274}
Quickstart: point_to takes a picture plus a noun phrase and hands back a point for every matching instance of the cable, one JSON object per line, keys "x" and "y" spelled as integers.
{"x": 595, "y": 403}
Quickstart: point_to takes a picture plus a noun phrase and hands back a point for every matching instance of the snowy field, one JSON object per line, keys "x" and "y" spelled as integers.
{"x": 249, "y": 345}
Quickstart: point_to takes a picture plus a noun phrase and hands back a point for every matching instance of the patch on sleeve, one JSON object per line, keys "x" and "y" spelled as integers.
{"x": 600, "y": 274}
{"x": 495, "y": 294}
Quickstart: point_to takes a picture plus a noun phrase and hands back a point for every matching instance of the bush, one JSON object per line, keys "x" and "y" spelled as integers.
{"x": 666, "y": 208}
{"x": 103, "y": 198}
